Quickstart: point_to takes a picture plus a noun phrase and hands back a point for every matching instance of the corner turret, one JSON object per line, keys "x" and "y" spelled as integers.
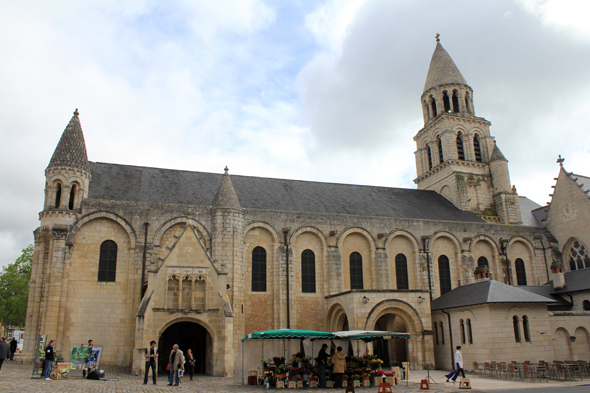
{"x": 67, "y": 177}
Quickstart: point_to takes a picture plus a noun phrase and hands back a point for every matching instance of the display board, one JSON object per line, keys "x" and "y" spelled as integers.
{"x": 39, "y": 355}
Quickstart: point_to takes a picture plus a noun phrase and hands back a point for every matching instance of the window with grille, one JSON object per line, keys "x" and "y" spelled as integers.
{"x": 259, "y": 270}
{"x": 460, "y": 149}
{"x": 356, "y": 271}
{"x": 308, "y": 271}
{"x": 107, "y": 261}
{"x": 477, "y": 149}
{"x": 401, "y": 271}
{"x": 444, "y": 273}
{"x": 520, "y": 272}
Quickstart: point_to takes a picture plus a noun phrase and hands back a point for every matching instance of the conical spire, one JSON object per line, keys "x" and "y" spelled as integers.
{"x": 497, "y": 154}
{"x": 442, "y": 69}
{"x": 71, "y": 149}
{"x": 226, "y": 195}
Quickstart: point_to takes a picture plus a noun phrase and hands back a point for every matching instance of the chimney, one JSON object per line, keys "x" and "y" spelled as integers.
{"x": 557, "y": 275}
{"x": 482, "y": 273}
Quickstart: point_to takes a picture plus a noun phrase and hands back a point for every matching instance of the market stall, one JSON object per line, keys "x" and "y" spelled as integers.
{"x": 288, "y": 354}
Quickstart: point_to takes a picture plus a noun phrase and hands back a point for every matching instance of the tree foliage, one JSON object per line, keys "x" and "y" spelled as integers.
{"x": 14, "y": 289}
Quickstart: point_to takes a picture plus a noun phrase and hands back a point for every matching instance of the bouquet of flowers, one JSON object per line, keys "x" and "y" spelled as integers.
{"x": 375, "y": 363}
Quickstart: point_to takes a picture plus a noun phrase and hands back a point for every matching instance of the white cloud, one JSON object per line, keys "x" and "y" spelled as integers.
{"x": 570, "y": 15}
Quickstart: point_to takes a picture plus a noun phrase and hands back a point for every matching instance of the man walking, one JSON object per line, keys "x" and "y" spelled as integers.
{"x": 49, "y": 358}
{"x": 459, "y": 364}
{"x": 13, "y": 347}
{"x": 322, "y": 362}
{"x": 176, "y": 363}
{"x": 4, "y": 351}
{"x": 151, "y": 354}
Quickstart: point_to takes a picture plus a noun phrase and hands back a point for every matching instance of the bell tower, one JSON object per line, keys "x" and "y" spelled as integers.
{"x": 456, "y": 156}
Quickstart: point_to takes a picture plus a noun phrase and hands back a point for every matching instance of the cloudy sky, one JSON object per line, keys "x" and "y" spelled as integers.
{"x": 312, "y": 90}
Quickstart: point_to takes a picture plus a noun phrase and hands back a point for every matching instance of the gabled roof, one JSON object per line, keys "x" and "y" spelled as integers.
{"x": 547, "y": 291}
{"x": 486, "y": 292}
{"x": 540, "y": 213}
{"x": 575, "y": 281}
{"x": 442, "y": 69}
{"x": 155, "y": 185}
{"x": 71, "y": 149}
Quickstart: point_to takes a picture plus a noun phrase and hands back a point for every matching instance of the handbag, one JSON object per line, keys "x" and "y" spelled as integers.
{"x": 168, "y": 367}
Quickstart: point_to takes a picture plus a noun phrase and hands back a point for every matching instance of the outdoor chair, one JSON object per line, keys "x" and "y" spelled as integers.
{"x": 487, "y": 369}
{"x": 510, "y": 371}
{"x": 493, "y": 369}
{"x": 526, "y": 371}
{"x": 560, "y": 370}
{"x": 499, "y": 370}
{"x": 475, "y": 368}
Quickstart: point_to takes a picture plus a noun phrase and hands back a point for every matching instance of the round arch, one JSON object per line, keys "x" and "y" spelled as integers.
{"x": 312, "y": 229}
{"x": 337, "y": 318}
{"x": 261, "y": 224}
{"x": 189, "y": 333}
{"x": 524, "y": 240}
{"x": 361, "y": 231}
{"x": 157, "y": 237}
{"x": 102, "y": 214}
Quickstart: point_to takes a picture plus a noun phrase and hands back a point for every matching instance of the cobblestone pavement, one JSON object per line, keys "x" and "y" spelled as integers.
{"x": 15, "y": 378}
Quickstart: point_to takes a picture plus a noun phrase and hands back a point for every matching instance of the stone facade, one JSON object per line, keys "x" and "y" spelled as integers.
{"x": 125, "y": 268}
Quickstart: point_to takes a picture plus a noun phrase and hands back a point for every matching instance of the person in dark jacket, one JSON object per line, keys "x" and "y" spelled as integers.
{"x": 4, "y": 351}
{"x": 322, "y": 363}
{"x": 13, "y": 347}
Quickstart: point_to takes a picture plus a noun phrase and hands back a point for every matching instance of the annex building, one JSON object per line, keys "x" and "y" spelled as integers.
{"x": 128, "y": 254}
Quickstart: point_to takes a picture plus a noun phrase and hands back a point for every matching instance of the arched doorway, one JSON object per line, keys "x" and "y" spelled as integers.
{"x": 397, "y": 347}
{"x": 188, "y": 335}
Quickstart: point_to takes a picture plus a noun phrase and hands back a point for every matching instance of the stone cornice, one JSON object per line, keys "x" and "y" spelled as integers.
{"x": 456, "y": 117}
{"x": 440, "y": 167}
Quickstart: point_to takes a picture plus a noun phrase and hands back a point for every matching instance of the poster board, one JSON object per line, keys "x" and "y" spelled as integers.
{"x": 63, "y": 371}
{"x": 94, "y": 359}
{"x": 39, "y": 355}
{"x": 79, "y": 356}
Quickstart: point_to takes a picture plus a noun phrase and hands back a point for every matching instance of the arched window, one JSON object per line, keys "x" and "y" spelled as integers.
{"x": 259, "y": 270}
{"x": 356, "y": 271}
{"x": 455, "y": 101}
{"x": 442, "y": 334}
{"x": 477, "y": 148}
{"x": 107, "y": 261}
{"x": 516, "y": 329}
{"x": 586, "y": 305}
{"x": 462, "y": 332}
{"x": 525, "y": 328}
{"x": 469, "y": 331}
{"x": 429, "y": 158}
{"x": 401, "y": 271}
{"x": 460, "y": 149}
{"x": 520, "y": 272}
{"x": 436, "y": 333}
{"x": 72, "y": 197}
{"x": 308, "y": 271}
{"x": 579, "y": 257}
{"x": 433, "y": 106}
{"x": 440, "y": 150}
{"x": 58, "y": 195}
{"x": 483, "y": 261}
{"x": 444, "y": 272}
{"x": 446, "y": 102}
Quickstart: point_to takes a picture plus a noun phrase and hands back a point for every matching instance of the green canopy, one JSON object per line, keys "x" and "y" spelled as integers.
{"x": 289, "y": 334}
{"x": 368, "y": 335}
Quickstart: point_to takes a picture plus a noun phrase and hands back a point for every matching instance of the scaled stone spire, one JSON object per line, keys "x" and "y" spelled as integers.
{"x": 226, "y": 195}
{"x": 71, "y": 149}
{"x": 442, "y": 69}
{"x": 497, "y": 154}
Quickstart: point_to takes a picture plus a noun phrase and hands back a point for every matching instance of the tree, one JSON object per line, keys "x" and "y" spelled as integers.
{"x": 14, "y": 289}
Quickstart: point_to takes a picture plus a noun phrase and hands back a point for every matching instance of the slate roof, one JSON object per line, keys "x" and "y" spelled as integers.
{"x": 575, "y": 281}
{"x": 582, "y": 180}
{"x": 547, "y": 291}
{"x": 71, "y": 149}
{"x": 486, "y": 292}
{"x": 155, "y": 185}
{"x": 541, "y": 214}
{"x": 442, "y": 69}
{"x": 527, "y": 208}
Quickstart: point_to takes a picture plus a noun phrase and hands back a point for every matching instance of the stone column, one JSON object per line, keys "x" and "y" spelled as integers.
{"x": 384, "y": 280}
{"x": 54, "y": 282}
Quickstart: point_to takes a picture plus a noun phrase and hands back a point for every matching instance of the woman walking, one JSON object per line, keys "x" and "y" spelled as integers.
{"x": 190, "y": 363}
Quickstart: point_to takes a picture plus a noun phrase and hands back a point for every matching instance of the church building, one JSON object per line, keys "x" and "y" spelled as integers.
{"x": 126, "y": 254}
